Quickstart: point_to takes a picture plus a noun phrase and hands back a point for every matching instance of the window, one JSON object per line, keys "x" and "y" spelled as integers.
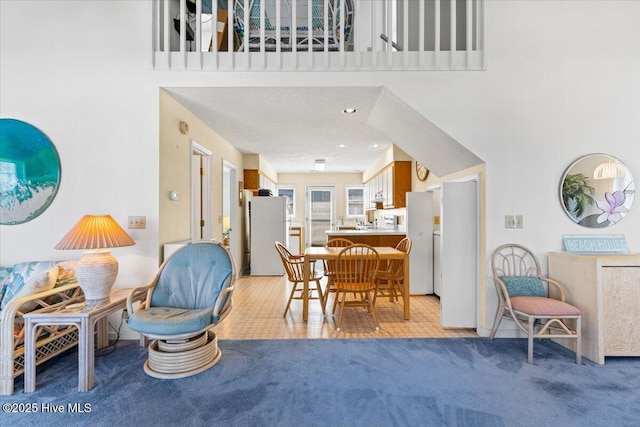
{"x": 355, "y": 200}
{"x": 289, "y": 192}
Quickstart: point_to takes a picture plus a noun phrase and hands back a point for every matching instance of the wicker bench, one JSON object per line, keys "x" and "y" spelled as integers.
{"x": 51, "y": 341}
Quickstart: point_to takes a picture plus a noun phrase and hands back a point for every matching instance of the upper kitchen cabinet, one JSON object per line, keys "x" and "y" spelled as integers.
{"x": 389, "y": 186}
{"x": 255, "y": 180}
{"x": 258, "y": 173}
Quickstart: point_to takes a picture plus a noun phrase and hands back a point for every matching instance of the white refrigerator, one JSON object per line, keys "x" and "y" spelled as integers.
{"x": 269, "y": 223}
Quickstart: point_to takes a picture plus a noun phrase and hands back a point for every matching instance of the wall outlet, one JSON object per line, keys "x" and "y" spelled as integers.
{"x": 137, "y": 222}
{"x": 509, "y": 221}
{"x": 519, "y": 221}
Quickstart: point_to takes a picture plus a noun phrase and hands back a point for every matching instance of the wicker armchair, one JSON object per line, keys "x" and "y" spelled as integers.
{"x": 190, "y": 295}
{"x": 524, "y": 299}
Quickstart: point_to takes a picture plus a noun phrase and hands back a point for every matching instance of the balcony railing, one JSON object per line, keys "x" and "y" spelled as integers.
{"x": 318, "y": 35}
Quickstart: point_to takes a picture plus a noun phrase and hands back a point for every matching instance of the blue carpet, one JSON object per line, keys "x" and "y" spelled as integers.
{"x": 384, "y": 382}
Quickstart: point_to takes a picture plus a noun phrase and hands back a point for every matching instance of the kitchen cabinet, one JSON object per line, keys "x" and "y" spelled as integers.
{"x": 606, "y": 289}
{"x": 389, "y": 188}
{"x": 392, "y": 182}
{"x": 255, "y": 180}
{"x": 384, "y": 189}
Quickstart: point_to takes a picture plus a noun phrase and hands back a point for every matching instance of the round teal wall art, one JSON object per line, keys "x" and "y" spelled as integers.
{"x": 29, "y": 172}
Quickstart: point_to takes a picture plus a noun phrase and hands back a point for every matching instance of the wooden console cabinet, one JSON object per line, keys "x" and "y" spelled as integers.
{"x": 606, "y": 289}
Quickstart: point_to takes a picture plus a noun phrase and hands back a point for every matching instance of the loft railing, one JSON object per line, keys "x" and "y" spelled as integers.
{"x": 318, "y": 35}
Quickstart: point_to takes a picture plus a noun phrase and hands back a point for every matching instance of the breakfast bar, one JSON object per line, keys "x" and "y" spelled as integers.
{"x": 371, "y": 236}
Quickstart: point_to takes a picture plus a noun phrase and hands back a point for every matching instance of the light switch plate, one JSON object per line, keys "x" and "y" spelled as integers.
{"x": 137, "y": 222}
{"x": 519, "y": 222}
{"x": 509, "y": 221}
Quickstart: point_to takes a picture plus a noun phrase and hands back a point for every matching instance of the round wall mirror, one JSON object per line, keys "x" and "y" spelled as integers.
{"x": 597, "y": 191}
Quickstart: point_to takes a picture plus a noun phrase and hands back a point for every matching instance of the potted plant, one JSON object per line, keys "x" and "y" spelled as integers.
{"x": 577, "y": 194}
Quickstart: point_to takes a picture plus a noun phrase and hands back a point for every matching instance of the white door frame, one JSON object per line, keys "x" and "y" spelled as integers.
{"x": 205, "y": 201}
{"x": 234, "y": 206}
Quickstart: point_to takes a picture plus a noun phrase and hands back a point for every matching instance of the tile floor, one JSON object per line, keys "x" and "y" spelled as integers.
{"x": 258, "y": 304}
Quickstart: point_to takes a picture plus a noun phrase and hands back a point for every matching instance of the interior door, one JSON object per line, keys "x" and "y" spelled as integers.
{"x": 320, "y": 214}
{"x": 458, "y": 254}
{"x": 419, "y": 223}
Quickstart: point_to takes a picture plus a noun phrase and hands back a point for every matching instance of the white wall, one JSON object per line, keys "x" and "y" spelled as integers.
{"x": 562, "y": 81}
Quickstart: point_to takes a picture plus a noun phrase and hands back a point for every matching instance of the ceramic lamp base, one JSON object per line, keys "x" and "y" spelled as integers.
{"x": 96, "y": 272}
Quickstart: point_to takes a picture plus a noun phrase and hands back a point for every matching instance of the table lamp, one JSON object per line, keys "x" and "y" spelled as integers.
{"x": 97, "y": 269}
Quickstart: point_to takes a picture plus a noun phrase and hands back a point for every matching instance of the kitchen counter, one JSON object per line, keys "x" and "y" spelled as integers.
{"x": 371, "y": 232}
{"x": 372, "y": 237}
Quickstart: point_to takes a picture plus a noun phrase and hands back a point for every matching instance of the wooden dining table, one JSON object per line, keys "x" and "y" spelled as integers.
{"x": 386, "y": 253}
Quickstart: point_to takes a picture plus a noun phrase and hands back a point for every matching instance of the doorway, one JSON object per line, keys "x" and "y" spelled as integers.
{"x": 320, "y": 213}
{"x": 201, "y": 220}
{"x": 230, "y": 206}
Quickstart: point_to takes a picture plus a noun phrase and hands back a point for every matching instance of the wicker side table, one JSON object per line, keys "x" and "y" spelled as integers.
{"x": 85, "y": 316}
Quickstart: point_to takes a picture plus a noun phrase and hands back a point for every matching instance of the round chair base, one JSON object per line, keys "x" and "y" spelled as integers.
{"x": 165, "y": 362}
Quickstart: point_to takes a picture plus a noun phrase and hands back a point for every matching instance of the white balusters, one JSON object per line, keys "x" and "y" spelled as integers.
{"x": 319, "y": 35}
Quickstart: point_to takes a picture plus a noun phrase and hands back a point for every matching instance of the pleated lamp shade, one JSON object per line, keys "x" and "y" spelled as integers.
{"x": 95, "y": 232}
{"x": 97, "y": 269}
{"x": 609, "y": 170}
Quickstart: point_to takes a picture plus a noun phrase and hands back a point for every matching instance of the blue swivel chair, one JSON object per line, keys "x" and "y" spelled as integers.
{"x": 190, "y": 294}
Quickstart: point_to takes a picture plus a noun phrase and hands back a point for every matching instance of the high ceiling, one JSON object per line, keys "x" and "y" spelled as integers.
{"x": 292, "y": 127}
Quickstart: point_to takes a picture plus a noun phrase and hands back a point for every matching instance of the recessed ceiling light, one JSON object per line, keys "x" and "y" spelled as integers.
{"x": 349, "y": 110}
{"x": 375, "y": 145}
{"x": 341, "y": 145}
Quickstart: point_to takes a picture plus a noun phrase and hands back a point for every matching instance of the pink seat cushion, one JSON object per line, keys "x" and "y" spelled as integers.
{"x": 541, "y": 306}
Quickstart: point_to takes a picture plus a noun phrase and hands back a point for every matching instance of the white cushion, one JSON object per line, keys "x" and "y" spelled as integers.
{"x": 39, "y": 282}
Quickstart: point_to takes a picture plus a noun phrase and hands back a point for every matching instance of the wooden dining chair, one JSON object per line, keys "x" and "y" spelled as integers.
{"x": 390, "y": 281}
{"x": 329, "y": 268}
{"x": 355, "y": 271}
{"x": 294, "y": 266}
